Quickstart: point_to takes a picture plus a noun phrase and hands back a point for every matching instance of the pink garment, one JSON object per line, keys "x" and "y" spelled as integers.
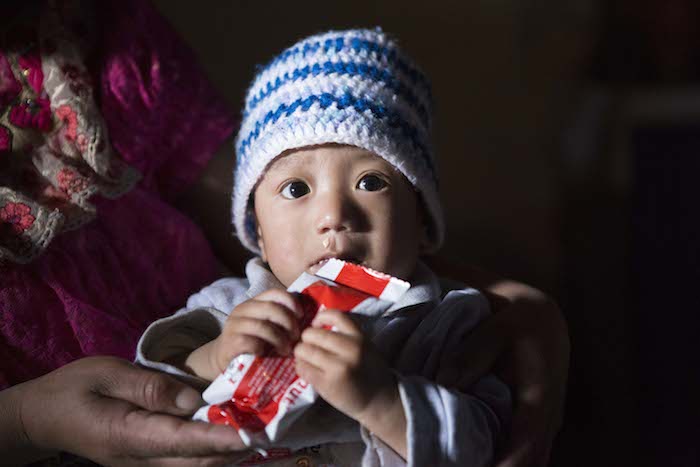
{"x": 95, "y": 289}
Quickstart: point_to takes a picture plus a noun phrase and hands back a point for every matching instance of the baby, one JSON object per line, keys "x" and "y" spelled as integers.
{"x": 334, "y": 161}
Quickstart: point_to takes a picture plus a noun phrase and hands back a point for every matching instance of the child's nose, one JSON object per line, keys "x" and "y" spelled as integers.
{"x": 335, "y": 213}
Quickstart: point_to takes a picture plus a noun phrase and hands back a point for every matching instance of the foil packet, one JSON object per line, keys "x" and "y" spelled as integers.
{"x": 262, "y": 396}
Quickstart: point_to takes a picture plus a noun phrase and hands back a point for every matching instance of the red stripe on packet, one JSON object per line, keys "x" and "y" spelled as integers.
{"x": 337, "y": 298}
{"x": 364, "y": 279}
{"x": 361, "y": 279}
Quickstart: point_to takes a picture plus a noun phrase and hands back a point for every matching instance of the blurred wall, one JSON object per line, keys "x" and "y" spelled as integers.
{"x": 502, "y": 72}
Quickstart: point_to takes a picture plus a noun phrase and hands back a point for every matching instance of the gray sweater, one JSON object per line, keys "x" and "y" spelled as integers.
{"x": 444, "y": 426}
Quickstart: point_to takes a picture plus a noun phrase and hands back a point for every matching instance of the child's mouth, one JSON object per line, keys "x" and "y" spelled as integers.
{"x": 318, "y": 264}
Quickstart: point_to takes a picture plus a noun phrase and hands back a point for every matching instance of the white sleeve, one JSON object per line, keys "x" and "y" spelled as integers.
{"x": 191, "y": 327}
{"x": 445, "y": 427}
{"x": 224, "y": 295}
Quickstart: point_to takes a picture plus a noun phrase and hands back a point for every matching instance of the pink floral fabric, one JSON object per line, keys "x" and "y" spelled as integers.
{"x": 17, "y": 217}
{"x": 94, "y": 289}
{"x": 50, "y": 126}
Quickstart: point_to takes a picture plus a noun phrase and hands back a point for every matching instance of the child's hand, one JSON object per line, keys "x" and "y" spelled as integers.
{"x": 343, "y": 367}
{"x": 268, "y": 321}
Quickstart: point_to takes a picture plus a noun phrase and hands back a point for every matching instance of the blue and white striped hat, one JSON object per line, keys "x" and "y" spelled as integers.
{"x": 352, "y": 87}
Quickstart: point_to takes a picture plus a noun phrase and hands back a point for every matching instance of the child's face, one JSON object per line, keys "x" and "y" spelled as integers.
{"x": 336, "y": 201}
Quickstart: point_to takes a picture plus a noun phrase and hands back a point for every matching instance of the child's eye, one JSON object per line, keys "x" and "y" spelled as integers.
{"x": 371, "y": 183}
{"x": 294, "y": 190}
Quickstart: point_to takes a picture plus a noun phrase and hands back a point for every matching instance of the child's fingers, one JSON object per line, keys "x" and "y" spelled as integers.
{"x": 308, "y": 372}
{"x": 237, "y": 344}
{"x": 337, "y": 321}
{"x": 267, "y": 331}
{"x": 317, "y": 356}
{"x": 267, "y": 311}
{"x": 282, "y": 297}
{"x": 343, "y": 347}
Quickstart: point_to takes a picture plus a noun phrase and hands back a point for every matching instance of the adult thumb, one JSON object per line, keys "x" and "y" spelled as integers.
{"x": 150, "y": 390}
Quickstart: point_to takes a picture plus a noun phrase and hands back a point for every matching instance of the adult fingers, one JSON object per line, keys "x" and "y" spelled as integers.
{"x": 541, "y": 458}
{"x": 147, "y": 389}
{"x": 207, "y": 461}
{"x": 531, "y": 433}
{"x": 518, "y": 456}
{"x": 336, "y": 321}
{"x": 147, "y": 434}
{"x": 526, "y": 448}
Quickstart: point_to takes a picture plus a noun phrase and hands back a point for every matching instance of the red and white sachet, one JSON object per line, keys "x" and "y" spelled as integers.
{"x": 261, "y": 396}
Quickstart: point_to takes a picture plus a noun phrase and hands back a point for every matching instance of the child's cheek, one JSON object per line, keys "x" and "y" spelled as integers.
{"x": 285, "y": 255}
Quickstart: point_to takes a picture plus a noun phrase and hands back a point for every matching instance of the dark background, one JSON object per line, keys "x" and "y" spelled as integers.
{"x": 568, "y": 139}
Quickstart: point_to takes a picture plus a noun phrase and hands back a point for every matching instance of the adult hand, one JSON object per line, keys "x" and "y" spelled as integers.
{"x": 526, "y": 342}
{"x": 115, "y": 413}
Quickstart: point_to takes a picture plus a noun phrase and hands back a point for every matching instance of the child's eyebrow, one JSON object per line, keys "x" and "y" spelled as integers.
{"x": 288, "y": 163}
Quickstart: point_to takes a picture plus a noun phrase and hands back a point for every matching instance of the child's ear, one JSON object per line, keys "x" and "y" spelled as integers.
{"x": 261, "y": 244}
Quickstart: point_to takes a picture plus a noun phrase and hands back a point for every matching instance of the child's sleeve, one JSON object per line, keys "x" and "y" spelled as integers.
{"x": 445, "y": 426}
{"x": 191, "y": 327}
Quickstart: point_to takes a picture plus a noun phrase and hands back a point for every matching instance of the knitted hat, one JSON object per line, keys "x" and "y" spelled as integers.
{"x": 352, "y": 87}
